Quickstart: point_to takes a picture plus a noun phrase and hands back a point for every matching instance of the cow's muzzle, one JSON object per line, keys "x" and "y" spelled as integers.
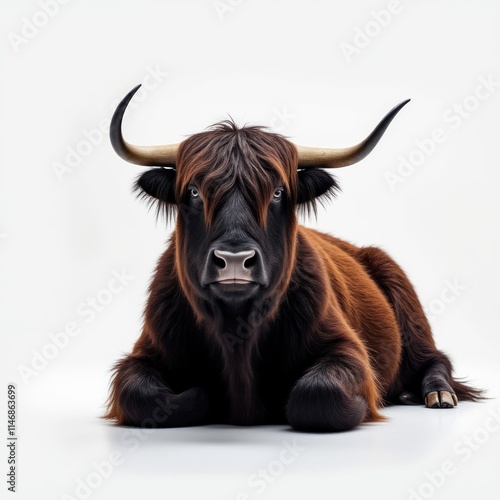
{"x": 234, "y": 267}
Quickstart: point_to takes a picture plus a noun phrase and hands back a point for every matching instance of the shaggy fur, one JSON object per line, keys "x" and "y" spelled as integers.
{"x": 334, "y": 332}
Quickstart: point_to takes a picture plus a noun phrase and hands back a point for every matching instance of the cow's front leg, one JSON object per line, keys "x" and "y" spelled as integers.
{"x": 335, "y": 394}
{"x": 141, "y": 398}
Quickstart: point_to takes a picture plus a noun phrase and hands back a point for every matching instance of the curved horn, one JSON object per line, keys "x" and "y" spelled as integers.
{"x": 342, "y": 157}
{"x": 163, "y": 156}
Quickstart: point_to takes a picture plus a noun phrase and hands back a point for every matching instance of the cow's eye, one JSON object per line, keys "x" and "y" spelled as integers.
{"x": 278, "y": 194}
{"x": 193, "y": 192}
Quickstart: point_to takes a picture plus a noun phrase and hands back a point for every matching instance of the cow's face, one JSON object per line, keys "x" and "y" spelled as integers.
{"x": 236, "y": 193}
{"x": 235, "y": 255}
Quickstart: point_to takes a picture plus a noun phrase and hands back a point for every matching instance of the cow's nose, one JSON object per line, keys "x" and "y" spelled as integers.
{"x": 225, "y": 259}
{"x": 234, "y": 266}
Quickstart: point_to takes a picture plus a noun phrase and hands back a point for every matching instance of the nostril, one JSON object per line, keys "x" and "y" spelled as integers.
{"x": 218, "y": 261}
{"x": 233, "y": 262}
{"x": 250, "y": 262}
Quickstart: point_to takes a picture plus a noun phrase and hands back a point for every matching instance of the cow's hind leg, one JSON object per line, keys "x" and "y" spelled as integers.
{"x": 425, "y": 373}
{"x": 437, "y": 389}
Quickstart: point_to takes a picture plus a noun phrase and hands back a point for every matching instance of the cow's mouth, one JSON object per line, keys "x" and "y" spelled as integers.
{"x": 233, "y": 281}
{"x": 234, "y": 290}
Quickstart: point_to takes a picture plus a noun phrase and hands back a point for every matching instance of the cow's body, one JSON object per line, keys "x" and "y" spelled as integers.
{"x": 254, "y": 319}
{"x": 353, "y": 292}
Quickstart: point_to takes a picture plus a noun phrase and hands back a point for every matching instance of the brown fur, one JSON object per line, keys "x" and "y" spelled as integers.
{"x": 337, "y": 321}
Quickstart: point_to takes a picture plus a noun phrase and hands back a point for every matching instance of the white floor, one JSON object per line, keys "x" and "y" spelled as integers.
{"x": 418, "y": 453}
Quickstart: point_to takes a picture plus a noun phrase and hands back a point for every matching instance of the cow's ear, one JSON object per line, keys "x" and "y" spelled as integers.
{"x": 158, "y": 183}
{"x": 157, "y": 186}
{"x": 315, "y": 185}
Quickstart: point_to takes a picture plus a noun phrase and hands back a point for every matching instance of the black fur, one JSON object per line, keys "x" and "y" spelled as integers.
{"x": 157, "y": 187}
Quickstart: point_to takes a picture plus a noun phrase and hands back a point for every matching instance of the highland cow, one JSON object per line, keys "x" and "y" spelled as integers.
{"x": 255, "y": 319}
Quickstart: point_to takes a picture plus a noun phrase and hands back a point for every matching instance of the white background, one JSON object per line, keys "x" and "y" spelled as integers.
{"x": 61, "y": 237}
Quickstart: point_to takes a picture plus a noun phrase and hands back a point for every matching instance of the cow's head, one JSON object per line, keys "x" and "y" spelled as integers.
{"x": 236, "y": 193}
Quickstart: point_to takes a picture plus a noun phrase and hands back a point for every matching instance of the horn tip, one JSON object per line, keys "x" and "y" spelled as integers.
{"x": 131, "y": 94}
{"x": 134, "y": 90}
{"x": 396, "y": 109}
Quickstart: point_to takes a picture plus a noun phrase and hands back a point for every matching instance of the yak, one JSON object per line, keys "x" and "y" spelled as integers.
{"x": 255, "y": 319}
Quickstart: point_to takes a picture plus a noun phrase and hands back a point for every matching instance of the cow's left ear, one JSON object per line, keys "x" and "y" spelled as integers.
{"x": 313, "y": 184}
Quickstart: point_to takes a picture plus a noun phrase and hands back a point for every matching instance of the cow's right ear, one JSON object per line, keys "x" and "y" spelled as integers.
{"x": 158, "y": 183}
{"x": 157, "y": 187}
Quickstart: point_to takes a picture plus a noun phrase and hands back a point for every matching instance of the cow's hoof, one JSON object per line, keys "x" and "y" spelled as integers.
{"x": 441, "y": 399}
